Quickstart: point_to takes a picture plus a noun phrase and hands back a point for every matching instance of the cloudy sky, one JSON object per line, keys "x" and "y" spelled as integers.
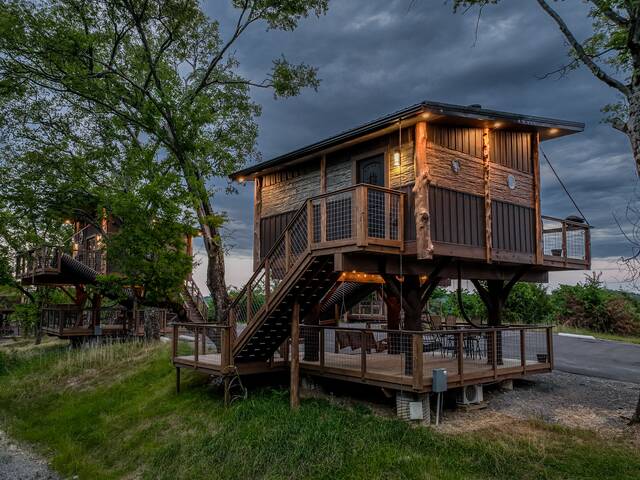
{"x": 376, "y": 56}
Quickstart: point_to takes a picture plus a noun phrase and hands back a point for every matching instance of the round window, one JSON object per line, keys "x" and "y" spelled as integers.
{"x": 511, "y": 182}
{"x": 455, "y": 166}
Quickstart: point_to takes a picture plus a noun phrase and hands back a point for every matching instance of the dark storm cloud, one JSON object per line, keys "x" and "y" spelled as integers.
{"x": 375, "y": 57}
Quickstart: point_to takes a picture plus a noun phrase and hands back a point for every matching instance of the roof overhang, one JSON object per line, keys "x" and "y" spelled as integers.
{"x": 433, "y": 112}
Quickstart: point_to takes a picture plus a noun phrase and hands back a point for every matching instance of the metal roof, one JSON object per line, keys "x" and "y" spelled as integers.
{"x": 471, "y": 114}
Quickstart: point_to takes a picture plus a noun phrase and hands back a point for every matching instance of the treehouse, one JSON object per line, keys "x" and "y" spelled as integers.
{"x": 79, "y": 265}
{"x": 429, "y": 194}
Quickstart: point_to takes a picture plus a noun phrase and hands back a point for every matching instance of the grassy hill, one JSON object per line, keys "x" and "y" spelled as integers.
{"x": 112, "y": 412}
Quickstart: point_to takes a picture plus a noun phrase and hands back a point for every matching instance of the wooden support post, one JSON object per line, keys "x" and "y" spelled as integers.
{"x": 523, "y": 350}
{"x": 177, "y": 379}
{"x": 550, "y": 358}
{"x": 535, "y": 145}
{"x": 494, "y": 352}
{"x": 564, "y": 243}
{"x": 174, "y": 341}
{"x": 363, "y": 354}
{"x": 323, "y": 220}
{"x": 361, "y": 219}
{"x": 204, "y": 342}
{"x": 424, "y": 245}
{"x": 460, "y": 355}
{"x": 257, "y": 214}
{"x": 249, "y": 303}
{"x": 287, "y": 250}
{"x": 322, "y": 331}
{"x": 267, "y": 281}
{"x": 310, "y": 225}
{"x": 195, "y": 347}
{"x": 295, "y": 356}
{"x": 486, "y": 161}
{"x": 418, "y": 362}
{"x": 226, "y": 348}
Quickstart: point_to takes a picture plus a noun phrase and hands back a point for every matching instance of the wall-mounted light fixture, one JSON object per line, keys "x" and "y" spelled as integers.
{"x": 553, "y": 131}
{"x": 497, "y": 125}
{"x": 396, "y": 158}
{"x": 241, "y": 179}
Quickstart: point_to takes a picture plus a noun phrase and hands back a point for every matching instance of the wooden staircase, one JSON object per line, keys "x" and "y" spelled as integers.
{"x": 194, "y": 302}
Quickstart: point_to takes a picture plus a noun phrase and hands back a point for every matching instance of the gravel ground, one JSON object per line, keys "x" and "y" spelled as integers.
{"x": 17, "y": 463}
{"x": 558, "y": 398}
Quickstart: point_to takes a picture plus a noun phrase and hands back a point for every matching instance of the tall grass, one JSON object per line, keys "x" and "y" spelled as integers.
{"x": 110, "y": 411}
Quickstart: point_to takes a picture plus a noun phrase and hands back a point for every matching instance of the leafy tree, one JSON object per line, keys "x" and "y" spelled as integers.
{"x": 528, "y": 303}
{"x": 611, "y": 53}
{"x": 161, "y": 72}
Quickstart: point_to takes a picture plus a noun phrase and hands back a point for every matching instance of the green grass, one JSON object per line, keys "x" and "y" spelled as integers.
{"x": 603, "y": 336}
{"x": 112, "y": 412}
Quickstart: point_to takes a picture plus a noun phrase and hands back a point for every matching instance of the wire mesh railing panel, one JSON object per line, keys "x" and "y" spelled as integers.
{"x": 508, "y": 348}
{"x": 536, "y": 348}
{"x": 576, "y": 243}
{"x": 394, "y": 216}
{"x": 257, "y": 293}
{"x": 376, "y": 214}
{"x": 298, "y": 236}
{"x": 339, "y": 216}
{"x": 475, "y": 351}
{"x": 552, "y": 237}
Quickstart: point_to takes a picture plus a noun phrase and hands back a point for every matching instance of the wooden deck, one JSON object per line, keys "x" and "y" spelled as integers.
{"x": 469, "y": 356}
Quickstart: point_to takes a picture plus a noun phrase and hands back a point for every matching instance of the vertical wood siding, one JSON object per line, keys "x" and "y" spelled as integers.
{"x": 456, "y": 217}
{"x": 271, "y": 228}
{"x": 513, "y": 227}
{"x": 409, "y": 213}
{"x": 512, "y": 149}
{"x": 462, "y": 139}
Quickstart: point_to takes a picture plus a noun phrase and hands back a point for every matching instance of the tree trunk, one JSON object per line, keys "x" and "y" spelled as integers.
{"x": 635, "y": 420}
{"x": 632, "y": 127}
{"x": 215, "y": 277}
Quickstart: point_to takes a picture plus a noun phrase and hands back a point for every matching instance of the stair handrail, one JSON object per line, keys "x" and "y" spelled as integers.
{"x": 198, "y": 299}
{"x": 305, "y": 205}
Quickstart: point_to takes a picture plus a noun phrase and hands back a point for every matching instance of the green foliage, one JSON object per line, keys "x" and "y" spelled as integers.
{"x": 112, "y": 412}
{"x": 588, "y": 305}
{"x": 135, "y": 107}
{"x": 528, "y": 303}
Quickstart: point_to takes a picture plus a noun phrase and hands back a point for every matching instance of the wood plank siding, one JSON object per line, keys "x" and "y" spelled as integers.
{"x": 513, "y": 227}
{"x": 461, "y": 139}
{"x": 271, "y": 228}
{"x": 512, "y": 150}
{"x": 457, "y": 217}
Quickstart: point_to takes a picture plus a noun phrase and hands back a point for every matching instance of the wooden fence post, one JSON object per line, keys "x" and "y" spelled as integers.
{"x": 418, "y": 361}
{"x": 295, "y": 356}
{"x": 460, "y": 354}
{"x": 523, "y": 350}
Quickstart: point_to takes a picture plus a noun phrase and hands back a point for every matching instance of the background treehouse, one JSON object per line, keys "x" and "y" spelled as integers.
{"x": 96, "y": 308}
{"x": 429, "y": 193}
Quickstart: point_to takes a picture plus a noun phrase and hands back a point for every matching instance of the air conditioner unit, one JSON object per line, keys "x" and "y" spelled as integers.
{"x": 470, "y": 394}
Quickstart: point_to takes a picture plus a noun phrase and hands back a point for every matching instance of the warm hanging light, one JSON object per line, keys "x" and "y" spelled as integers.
{"x": 396, "y": 158}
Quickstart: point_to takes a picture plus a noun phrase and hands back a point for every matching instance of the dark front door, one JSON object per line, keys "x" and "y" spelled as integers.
{"x": 371, "y": 170}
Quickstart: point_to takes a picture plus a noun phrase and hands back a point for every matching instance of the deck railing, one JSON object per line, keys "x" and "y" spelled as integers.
{"x": 209, "y": 344}
{"x": 38, "y": 261}
{"x": 408, "y": 358}
{"x": 357, "y": 216}
{"x": 197, "y": 298}
{"x": 565, "y": 242}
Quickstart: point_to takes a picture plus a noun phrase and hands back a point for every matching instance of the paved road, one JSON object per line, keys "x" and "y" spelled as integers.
{"x": 597, "y": 358}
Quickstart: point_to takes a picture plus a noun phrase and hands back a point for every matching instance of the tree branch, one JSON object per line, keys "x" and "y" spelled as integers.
{"x": 582, "y": 54}
{"x": 610, "y": 13}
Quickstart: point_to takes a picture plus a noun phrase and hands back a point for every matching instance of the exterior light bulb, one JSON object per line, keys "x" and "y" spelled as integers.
{"x": 396, "y": 159}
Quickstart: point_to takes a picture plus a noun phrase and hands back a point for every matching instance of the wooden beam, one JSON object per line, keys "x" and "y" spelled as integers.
{"x": 257, "y": 215}
{"x": 323, "y": 174}
{"x": 295, "y": 356}
{"x": 486, "y": 161}
{"x": 536, "y": 197}
{"x": 424, "y": 245}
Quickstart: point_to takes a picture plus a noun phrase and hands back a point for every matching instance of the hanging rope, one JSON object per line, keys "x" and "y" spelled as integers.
{"x": 563, "y": 185}
{"x": 461, "y": 303}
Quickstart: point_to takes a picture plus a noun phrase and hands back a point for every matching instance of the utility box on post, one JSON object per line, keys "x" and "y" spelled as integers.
{"x": 439, "y": 380}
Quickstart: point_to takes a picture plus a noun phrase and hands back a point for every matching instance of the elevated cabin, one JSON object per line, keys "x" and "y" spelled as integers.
{"x": 78, "y": 265}
{"x": 429, "y": 194}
